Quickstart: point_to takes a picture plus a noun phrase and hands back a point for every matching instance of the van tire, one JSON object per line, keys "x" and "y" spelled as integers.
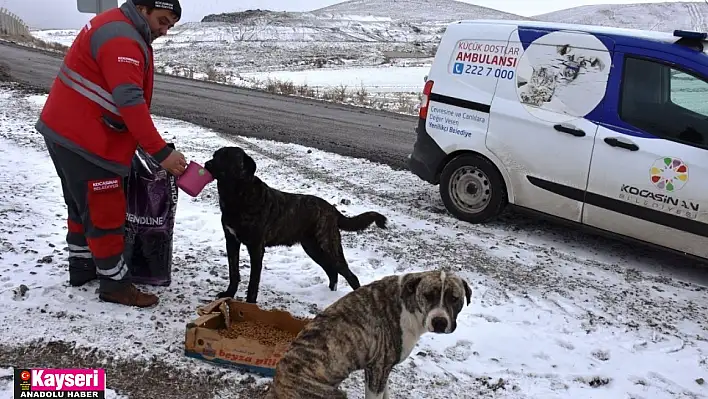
{"x": 484, "y": 194}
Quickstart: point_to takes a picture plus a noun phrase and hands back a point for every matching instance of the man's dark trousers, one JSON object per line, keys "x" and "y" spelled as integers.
{"x": 96, "y": 204}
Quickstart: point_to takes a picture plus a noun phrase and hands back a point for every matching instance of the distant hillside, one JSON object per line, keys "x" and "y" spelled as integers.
{"x": 414, "y": 10}
{"x": 381, "y": 10}
{"x": 651, "y": 16}
{"x": 250, "y": 16}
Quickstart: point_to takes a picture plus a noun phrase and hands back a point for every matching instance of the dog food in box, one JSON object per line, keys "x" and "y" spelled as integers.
{"x": 240, "y": 334}
{"x": 256, "y": 330}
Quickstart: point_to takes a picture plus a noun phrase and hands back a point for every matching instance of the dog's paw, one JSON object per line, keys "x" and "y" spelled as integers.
{"x": 333, "y": 286}
{"x": 225, "y": 294}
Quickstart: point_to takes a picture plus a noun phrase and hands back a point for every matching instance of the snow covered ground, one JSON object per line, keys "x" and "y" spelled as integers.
{"x": 555, "y": 313}
{"x": 374, "y": 79}
{"x": 61, "y": 36}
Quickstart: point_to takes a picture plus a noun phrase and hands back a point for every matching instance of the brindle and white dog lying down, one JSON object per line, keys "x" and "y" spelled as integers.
{"x": 372, "y": 328}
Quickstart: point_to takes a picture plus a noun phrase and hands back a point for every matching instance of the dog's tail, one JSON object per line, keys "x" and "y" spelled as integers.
{"x": 361, "y": 221}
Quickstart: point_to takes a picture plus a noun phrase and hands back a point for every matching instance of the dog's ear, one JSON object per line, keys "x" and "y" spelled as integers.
{"x": 249, "y": 165}
{"x": 468, "y": 291}
{"x": 408, "y": 290}
{"x": 410, "y": 285}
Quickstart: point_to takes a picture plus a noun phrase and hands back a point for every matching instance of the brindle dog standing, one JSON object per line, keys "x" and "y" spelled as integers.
{"x": 372, "y": 328}
{"x": 259, "y": 216}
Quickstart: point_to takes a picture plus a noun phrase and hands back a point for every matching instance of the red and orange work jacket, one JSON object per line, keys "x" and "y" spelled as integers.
{"x": 99, "y": 104}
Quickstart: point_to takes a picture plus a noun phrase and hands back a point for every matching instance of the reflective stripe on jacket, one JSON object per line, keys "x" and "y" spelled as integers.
{"x": 99, "y": 104}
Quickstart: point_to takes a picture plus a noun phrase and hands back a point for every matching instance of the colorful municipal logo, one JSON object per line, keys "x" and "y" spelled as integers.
{"x": 669, "y": 174}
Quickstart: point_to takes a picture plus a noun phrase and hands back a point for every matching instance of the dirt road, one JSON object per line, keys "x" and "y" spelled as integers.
{"x": 378, "y": 136}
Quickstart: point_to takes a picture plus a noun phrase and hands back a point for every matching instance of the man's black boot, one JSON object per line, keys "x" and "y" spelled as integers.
{"x": 81, "y": 271}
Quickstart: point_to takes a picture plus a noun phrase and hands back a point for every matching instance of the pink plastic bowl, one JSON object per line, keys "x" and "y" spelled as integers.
{"x": 194, "y": 179}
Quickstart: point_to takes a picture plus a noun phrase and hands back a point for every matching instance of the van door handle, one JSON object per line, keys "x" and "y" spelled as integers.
{"x": 570, "y": 130}
{"x": 621, "y": 144}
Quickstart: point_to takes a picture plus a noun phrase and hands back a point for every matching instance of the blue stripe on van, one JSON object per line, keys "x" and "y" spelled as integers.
{"x": 528, "y": 35}
{"x": 673, "y": 52}
{"x": 670, "y": 53}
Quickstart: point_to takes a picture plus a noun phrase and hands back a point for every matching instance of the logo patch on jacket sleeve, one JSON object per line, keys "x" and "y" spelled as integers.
{"x": 129, "y": 60}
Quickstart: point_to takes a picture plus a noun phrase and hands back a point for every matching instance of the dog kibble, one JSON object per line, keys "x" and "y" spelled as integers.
{"x": 265, "y": 334}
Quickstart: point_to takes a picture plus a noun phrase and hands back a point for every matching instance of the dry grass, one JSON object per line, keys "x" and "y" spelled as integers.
{"x": 215, "y": 75}
{"x": 34, "y": 42}
{"x": 279, "y": 87}
{"x": 339, "y": 93}
{"x": 53, "y": 46}
{"x": 305, "y": 91}
{"x": 362, "y": 95}
{"x": 401, "y": 102}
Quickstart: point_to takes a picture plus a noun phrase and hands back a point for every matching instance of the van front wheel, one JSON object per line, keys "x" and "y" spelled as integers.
{"x": 472, "y": 189}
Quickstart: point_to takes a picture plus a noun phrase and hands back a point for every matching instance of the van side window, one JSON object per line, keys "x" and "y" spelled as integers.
{"x": 665, "y": 101}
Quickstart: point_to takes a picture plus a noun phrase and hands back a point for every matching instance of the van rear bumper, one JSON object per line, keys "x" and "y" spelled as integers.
{"x": 427, "y": 156}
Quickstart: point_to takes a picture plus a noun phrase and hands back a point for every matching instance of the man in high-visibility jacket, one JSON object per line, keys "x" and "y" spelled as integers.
{"x": 97, "y": 113}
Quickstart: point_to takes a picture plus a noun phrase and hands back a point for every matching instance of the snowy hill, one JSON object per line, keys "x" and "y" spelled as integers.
{"x": 270, "y": 26}
{"x": 354, "y": 33}
{"x": 414, "y": 10}
{"x": 295, "y": 41}
{"x": 651, "y": 16}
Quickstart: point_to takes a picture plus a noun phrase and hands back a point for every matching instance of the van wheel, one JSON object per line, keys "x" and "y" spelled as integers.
{"x": 472, "y": 189}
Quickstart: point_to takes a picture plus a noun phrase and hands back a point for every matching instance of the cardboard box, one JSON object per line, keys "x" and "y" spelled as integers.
{"x": 203, "y": 341}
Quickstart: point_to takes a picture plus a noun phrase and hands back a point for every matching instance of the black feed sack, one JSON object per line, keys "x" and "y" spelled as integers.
{"x": 151, "y": 207}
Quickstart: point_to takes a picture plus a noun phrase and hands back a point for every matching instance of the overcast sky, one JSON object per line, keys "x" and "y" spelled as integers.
{"x": 57, "y": 14}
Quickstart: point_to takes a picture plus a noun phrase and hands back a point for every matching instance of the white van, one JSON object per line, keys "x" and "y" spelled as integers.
{"x": 600, "y": 126}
